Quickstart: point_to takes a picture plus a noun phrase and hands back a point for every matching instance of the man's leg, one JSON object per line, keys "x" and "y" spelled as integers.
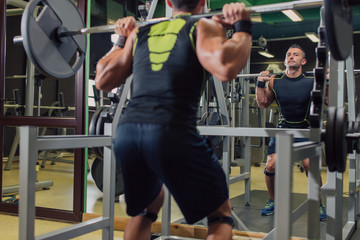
{"x": 139, "y": 227}
{"x": 270, "y": 175}
{"x": 270, "y": 184}
{"x": 220, "y": 223}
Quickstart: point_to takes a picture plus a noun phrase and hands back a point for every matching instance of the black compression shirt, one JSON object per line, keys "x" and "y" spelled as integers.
{"x": 293, "y": 98}
{"x": 168, "y": 78}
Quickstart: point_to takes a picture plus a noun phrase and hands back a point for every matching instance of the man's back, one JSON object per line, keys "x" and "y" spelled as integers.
{"x": 168, "y": 77}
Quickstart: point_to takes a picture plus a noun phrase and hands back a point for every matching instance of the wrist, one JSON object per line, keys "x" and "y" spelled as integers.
{"x": 243, "y": 26}
{"x": 260, "y": 84}
{"x": 120, "y": 42}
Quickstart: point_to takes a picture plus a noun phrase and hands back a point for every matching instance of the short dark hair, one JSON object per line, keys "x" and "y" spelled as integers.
{"x": 185, "y": 4}
{"x": 299, "y": 47}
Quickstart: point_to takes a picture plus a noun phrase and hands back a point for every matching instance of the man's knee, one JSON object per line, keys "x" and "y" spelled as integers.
{"x": 221, "y": 220}
{"x": 149, "y": 215}
{"x": 154, "y": 207}
{"x": 270, "y": 174}
{"x": 270, "y": 165}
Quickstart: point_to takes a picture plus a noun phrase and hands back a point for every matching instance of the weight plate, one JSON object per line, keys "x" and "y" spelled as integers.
{"x": 93, "y": 121}
{"x": 339, "y": 28}
{"x": 97, "y": 174}
{"x": 54, "y": 57}
{"x": 100, "y": 124}
{"x": 216, "y": 119}
{"x": 329, "y": 139}
{"x": 340, "y": 141}
{"x": 92, "y": 130}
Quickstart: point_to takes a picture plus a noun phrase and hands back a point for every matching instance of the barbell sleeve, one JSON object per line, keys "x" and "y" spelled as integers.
{"x": 18, "y": 40}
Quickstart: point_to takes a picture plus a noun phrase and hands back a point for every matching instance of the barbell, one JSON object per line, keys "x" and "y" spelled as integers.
{"x": 254, "y": 75}
{"x": 53, "y": 32}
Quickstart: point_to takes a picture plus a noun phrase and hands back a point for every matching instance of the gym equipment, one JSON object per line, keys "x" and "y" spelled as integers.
{"x": 55, "y": 39}
{"x": 55, "y": 57}
{"x": 336, "y": 139}
{"x": 104, "y": 115}
{"x": 254, "y": 75}
{"x": 213, "y": 119}
{"x": 92, "y": 129}
{"x": 339, "y": 27}
{"x": 97, "y": 174}
{"x": 329, "y": 140}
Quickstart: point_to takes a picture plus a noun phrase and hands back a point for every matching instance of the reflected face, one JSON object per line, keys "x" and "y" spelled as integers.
{"x": 294, "y": 58}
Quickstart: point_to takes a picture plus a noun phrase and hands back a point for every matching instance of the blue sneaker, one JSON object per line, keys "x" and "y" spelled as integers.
{"x": 322, "y": 213}
{"x": 269, "y": 208}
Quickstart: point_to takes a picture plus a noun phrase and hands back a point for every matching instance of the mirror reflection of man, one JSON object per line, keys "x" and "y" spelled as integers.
{"x": 291, "y": 92}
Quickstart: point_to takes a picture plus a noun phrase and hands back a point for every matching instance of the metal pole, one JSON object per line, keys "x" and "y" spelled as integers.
{"x": 30, "y": 81}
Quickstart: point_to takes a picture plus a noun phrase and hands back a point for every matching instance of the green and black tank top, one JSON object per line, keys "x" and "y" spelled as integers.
{"x": 292, "y": 96}
{"x": 167, "y": 75}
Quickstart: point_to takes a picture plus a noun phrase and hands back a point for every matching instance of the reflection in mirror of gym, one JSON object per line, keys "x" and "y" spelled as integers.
{"x": 110, "y": 109}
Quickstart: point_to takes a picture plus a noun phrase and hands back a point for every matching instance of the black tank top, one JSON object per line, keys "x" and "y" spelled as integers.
{"x": 167, "y": 76}
{"x": 292, "y": 96}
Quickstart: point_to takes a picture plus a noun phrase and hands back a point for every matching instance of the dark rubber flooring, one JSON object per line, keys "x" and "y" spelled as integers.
{"x": 255, "y": 222}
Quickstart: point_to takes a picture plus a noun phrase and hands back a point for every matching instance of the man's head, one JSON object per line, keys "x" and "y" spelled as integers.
{"x": 295, "y": 57}
{"x": 185, "y": 5}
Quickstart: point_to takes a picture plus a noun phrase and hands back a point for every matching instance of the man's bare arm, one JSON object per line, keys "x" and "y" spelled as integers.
{"x": 265, "y": 96}
{"x": 116, "y": 66}
{"x": 221, "y": 57}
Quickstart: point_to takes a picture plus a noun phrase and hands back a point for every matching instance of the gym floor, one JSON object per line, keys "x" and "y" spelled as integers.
{"x": 60, "y": 196}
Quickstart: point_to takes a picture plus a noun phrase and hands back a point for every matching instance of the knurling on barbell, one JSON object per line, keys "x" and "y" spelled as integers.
{"x": 55, "y": 39}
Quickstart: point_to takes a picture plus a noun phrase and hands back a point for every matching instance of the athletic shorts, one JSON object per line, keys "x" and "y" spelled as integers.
{"x": 272, "y": 143}
{"x": 152, "y": 154}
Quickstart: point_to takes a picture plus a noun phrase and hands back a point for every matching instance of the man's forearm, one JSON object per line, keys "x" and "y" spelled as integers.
{"x": 262, "y": 97}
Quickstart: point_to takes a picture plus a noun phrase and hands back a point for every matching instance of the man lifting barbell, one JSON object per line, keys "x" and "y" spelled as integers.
{"x": 156, "y": 141}
{"x": 292, "y": 93}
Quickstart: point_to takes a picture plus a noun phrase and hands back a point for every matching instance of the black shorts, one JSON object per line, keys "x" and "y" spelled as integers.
{"x": 153, "y": 154}
{"x": 272, "y": 144}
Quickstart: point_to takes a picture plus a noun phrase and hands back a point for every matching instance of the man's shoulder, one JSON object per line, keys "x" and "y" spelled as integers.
{"x": 307, "y": 75}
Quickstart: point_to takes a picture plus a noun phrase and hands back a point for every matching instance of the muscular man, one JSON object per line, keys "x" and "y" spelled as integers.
{"x": 156, "y": 141}
{"x": 292, "y": 94}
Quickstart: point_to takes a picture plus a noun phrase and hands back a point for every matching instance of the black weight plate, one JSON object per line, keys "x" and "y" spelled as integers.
{"x": 202, "y": 122}
{"x": 54, "y": 58}
{"x": 93, "y": 121}
{"x": 216, "y": 119}
{"x": 97, "y": 174}
{"x": 340, "y": 146}
{"x": 339, "y": 28}
{"x": 100, "y": 124}
{"x": 329, "y": 139}
{"x": 92, "y": 130}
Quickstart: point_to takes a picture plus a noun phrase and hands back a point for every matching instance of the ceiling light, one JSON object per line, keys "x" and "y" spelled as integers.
{"x": 293, "y": 15}
{"x": 312, "y": 36}
{"x": 266, "y": 54}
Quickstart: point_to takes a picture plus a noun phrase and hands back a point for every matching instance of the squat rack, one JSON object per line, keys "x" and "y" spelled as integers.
{"x": 30, "y": 144}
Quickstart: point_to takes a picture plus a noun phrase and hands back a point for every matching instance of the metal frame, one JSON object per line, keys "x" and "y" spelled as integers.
{"x": 334, "y": 187}
{"x": 30, "y": 144}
